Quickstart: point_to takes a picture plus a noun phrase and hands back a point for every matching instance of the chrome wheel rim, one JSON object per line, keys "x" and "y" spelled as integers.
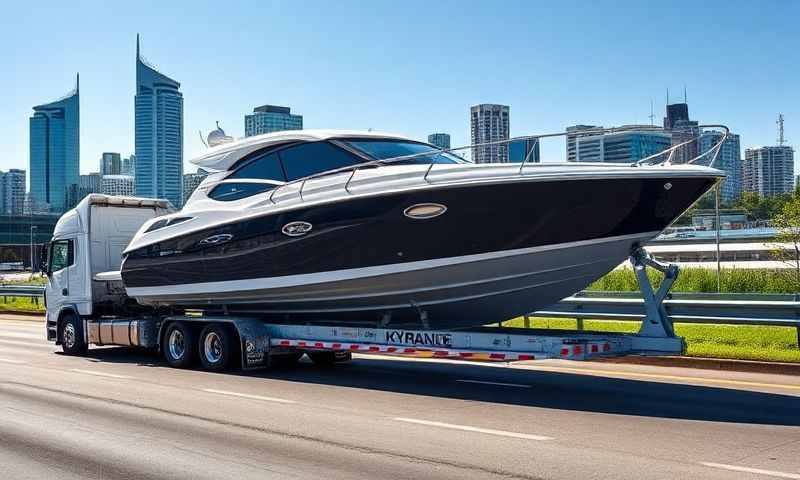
{"x": 69, "y": 335}
{"x": 177, "y": 344}
{"x": 212, "y": 348}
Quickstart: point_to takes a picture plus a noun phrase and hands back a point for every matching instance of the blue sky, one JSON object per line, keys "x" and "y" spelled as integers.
{"x": 410, "y": 67}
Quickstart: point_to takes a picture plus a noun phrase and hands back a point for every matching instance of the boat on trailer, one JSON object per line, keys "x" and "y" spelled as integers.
{"x": 355, "y": 227}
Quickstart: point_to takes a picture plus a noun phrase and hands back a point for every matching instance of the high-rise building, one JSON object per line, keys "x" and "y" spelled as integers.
{"x": 191, "y": 181}
{"x": 441, "y": 140}
{"x": 271, "y": 118}
{"x": 729, "y": 160}
{"x": 621, "y": 147}
{"x": 129, "y": 166}
{"x": 682, "y": 129}
{"x": 573, "y": 133}
{"x": 12, "y": 192}
{"x": 159, "y": 133}
{"x": 523, "y": 150}
{"x": 118, "y": 185}
{"x": 489, "y": 123}
{"x": 55, "y": 150}
{"x": 91, "y": 183}
{"x": 110, "y": 164}
{"x": 768, "y": 171}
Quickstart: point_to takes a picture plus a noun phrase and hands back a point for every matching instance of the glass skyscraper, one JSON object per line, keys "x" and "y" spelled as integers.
{"x": 441, "y": 140}
{"x": 489, "y": 123}
{"x": 621, "y": 147}
{"x": 55, "y": 151}
{"x": 271, "y": 118}
{"x": 729, "y": 160}
{"x": 159, "y": 134}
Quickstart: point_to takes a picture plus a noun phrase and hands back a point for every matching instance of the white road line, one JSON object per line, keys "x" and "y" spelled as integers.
{"x": 500, "y": 384}
{"x": 8, "y": 360}
{"x": 99, "y": 374}
{"x": 758, "y": 471}
{"x": 48, "y": 346}
{"x": 247, "y": 395}
{"x": 34, "y": 336}
{"x": 467, "y": 428}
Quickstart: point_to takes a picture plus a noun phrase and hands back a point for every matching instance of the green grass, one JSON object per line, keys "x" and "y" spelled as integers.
{"x": 699, "y": 280}
{"x": 742, "y": 342}
{"x": 20, "y": 304}
{"x": 36, "y": 280}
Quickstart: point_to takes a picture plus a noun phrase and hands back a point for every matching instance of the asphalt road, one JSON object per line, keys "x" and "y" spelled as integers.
{"x": 123, "y": 414}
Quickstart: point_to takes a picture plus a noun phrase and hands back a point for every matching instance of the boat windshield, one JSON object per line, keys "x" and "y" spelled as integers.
{"x": 388, "y": 149}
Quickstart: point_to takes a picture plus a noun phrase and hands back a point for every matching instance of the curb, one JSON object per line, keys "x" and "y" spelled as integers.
{"x": 731, "y": 365}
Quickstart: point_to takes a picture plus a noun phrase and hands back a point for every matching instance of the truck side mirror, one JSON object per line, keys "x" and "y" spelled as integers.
{"x": 43, "y": 260}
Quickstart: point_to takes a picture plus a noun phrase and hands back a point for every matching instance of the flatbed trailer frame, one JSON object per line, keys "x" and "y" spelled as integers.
{"x": 256, "y": 343}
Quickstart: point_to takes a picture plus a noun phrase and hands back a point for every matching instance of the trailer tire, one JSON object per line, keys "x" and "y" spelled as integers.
{"x": 215, "y": 348}
{"x": 329, "y": 358}
{"x": 179, "y": 345}
{"x": 71, "y": 335}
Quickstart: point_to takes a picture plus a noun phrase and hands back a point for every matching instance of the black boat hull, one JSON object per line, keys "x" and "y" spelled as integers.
{"x": 499, "y": 250}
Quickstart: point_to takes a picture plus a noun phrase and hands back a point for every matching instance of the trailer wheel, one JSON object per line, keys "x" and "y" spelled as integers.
{"x": 72, "y": 341}
{"x": 216, "y": 348}
{"x": 179, "y": 345}
{"x": 329, "y": 358}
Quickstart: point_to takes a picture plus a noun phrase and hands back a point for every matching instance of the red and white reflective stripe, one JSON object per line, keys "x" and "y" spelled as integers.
{"x": 399, "y": 350}
{"x": 589, "y": 348}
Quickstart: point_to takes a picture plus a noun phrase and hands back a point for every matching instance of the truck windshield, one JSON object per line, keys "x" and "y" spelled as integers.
{"x": 389, "y": 149}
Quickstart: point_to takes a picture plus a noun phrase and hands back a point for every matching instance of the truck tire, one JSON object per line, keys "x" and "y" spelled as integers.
{"x": 215, "y": 348}
{"x": 72, "y": 340}
{"x": 329, "y": 358}
{"x": 179, "y": 345}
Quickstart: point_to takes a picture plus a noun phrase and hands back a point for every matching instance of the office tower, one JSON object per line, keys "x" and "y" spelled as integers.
{"x": 12, "y": 192}
{"x": 729, "y": 160}
{"x": 573, "y": 133}
{"x": 271, "y": 118}
{"x": 129, "y": 166}
{"x": 55, "y": 150}
{"x": 159, "y": 134}
{"x": 621, "y": 147}
{"x": 768, "y": 171}
{"x": 91, "y": 183}
{"x": 489, "y": 123}
{"x": 192, "y": 181}
{"x": 682, "y": 129}
{"x": 118, "y": 185}
{"x": 110, "y": 164}
{"x": 441, "y": 140}
{"x": 523, "y": 150}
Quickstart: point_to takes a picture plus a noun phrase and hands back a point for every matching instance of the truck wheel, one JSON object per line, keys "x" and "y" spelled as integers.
{"x": 328, "y": 358}
{"x": 72, "y": 342}
{"x": 179, "y": 345}
{"x": 216, "y": 348}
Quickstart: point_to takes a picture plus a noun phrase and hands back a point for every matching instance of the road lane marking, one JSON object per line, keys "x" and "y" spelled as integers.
{"x": 247, "y": 395}
{"x": 620, "y": 373}
{"x": 34, "y": 336}
{"x": 467, "y": 428}
{"x": 100, "y": 374}
{"x": 8, "y": 360}
{"x": 500, "y": 384}
{"x": 28, "y": 344}
{"x": 758, "y": 471}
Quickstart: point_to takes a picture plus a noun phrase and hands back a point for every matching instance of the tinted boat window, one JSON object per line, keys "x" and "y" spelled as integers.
{"x": 310, "y": 158}
{"x": 386, "y": 149}
{"x": 267, "y": 167}
{"x": 228, "y": 192}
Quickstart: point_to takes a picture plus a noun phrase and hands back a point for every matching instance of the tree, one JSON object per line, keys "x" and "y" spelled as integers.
{"x": 787, "y": 221}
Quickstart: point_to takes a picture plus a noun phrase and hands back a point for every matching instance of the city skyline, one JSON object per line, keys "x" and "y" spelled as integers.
{"x": 336, "y": 97}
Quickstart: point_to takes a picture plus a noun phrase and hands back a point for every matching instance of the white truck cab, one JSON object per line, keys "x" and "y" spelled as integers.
{"x": 87, "y": 241}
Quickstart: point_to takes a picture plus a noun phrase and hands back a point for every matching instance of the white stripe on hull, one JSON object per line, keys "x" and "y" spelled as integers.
{"x": 215, "y": 289}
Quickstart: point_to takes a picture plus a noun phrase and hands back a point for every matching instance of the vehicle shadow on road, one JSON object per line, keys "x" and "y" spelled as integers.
{"x": 556, "y": 390}
{"x": 541, "y": 389}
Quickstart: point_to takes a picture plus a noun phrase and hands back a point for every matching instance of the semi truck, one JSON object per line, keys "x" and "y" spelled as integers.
{"x": 87, "y": 305}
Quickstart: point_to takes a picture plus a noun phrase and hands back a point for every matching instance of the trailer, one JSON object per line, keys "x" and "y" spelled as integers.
{"x": 87, "y": 305}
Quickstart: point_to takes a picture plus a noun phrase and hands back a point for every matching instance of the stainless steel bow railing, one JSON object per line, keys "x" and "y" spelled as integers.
{"x": 667, "y": 156}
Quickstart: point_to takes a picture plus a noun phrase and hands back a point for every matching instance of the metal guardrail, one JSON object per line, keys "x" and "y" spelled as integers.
{"x": 34, "y": 292}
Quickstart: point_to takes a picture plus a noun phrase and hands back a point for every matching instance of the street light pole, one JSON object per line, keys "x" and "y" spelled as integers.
{"x": 33, "y": 227}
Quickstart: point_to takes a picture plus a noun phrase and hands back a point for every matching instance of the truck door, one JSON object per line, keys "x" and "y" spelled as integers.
{"x": 61, "y": 263}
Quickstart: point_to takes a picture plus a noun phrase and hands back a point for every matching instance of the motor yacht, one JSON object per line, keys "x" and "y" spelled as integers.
{"x": 360, "y": 227}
